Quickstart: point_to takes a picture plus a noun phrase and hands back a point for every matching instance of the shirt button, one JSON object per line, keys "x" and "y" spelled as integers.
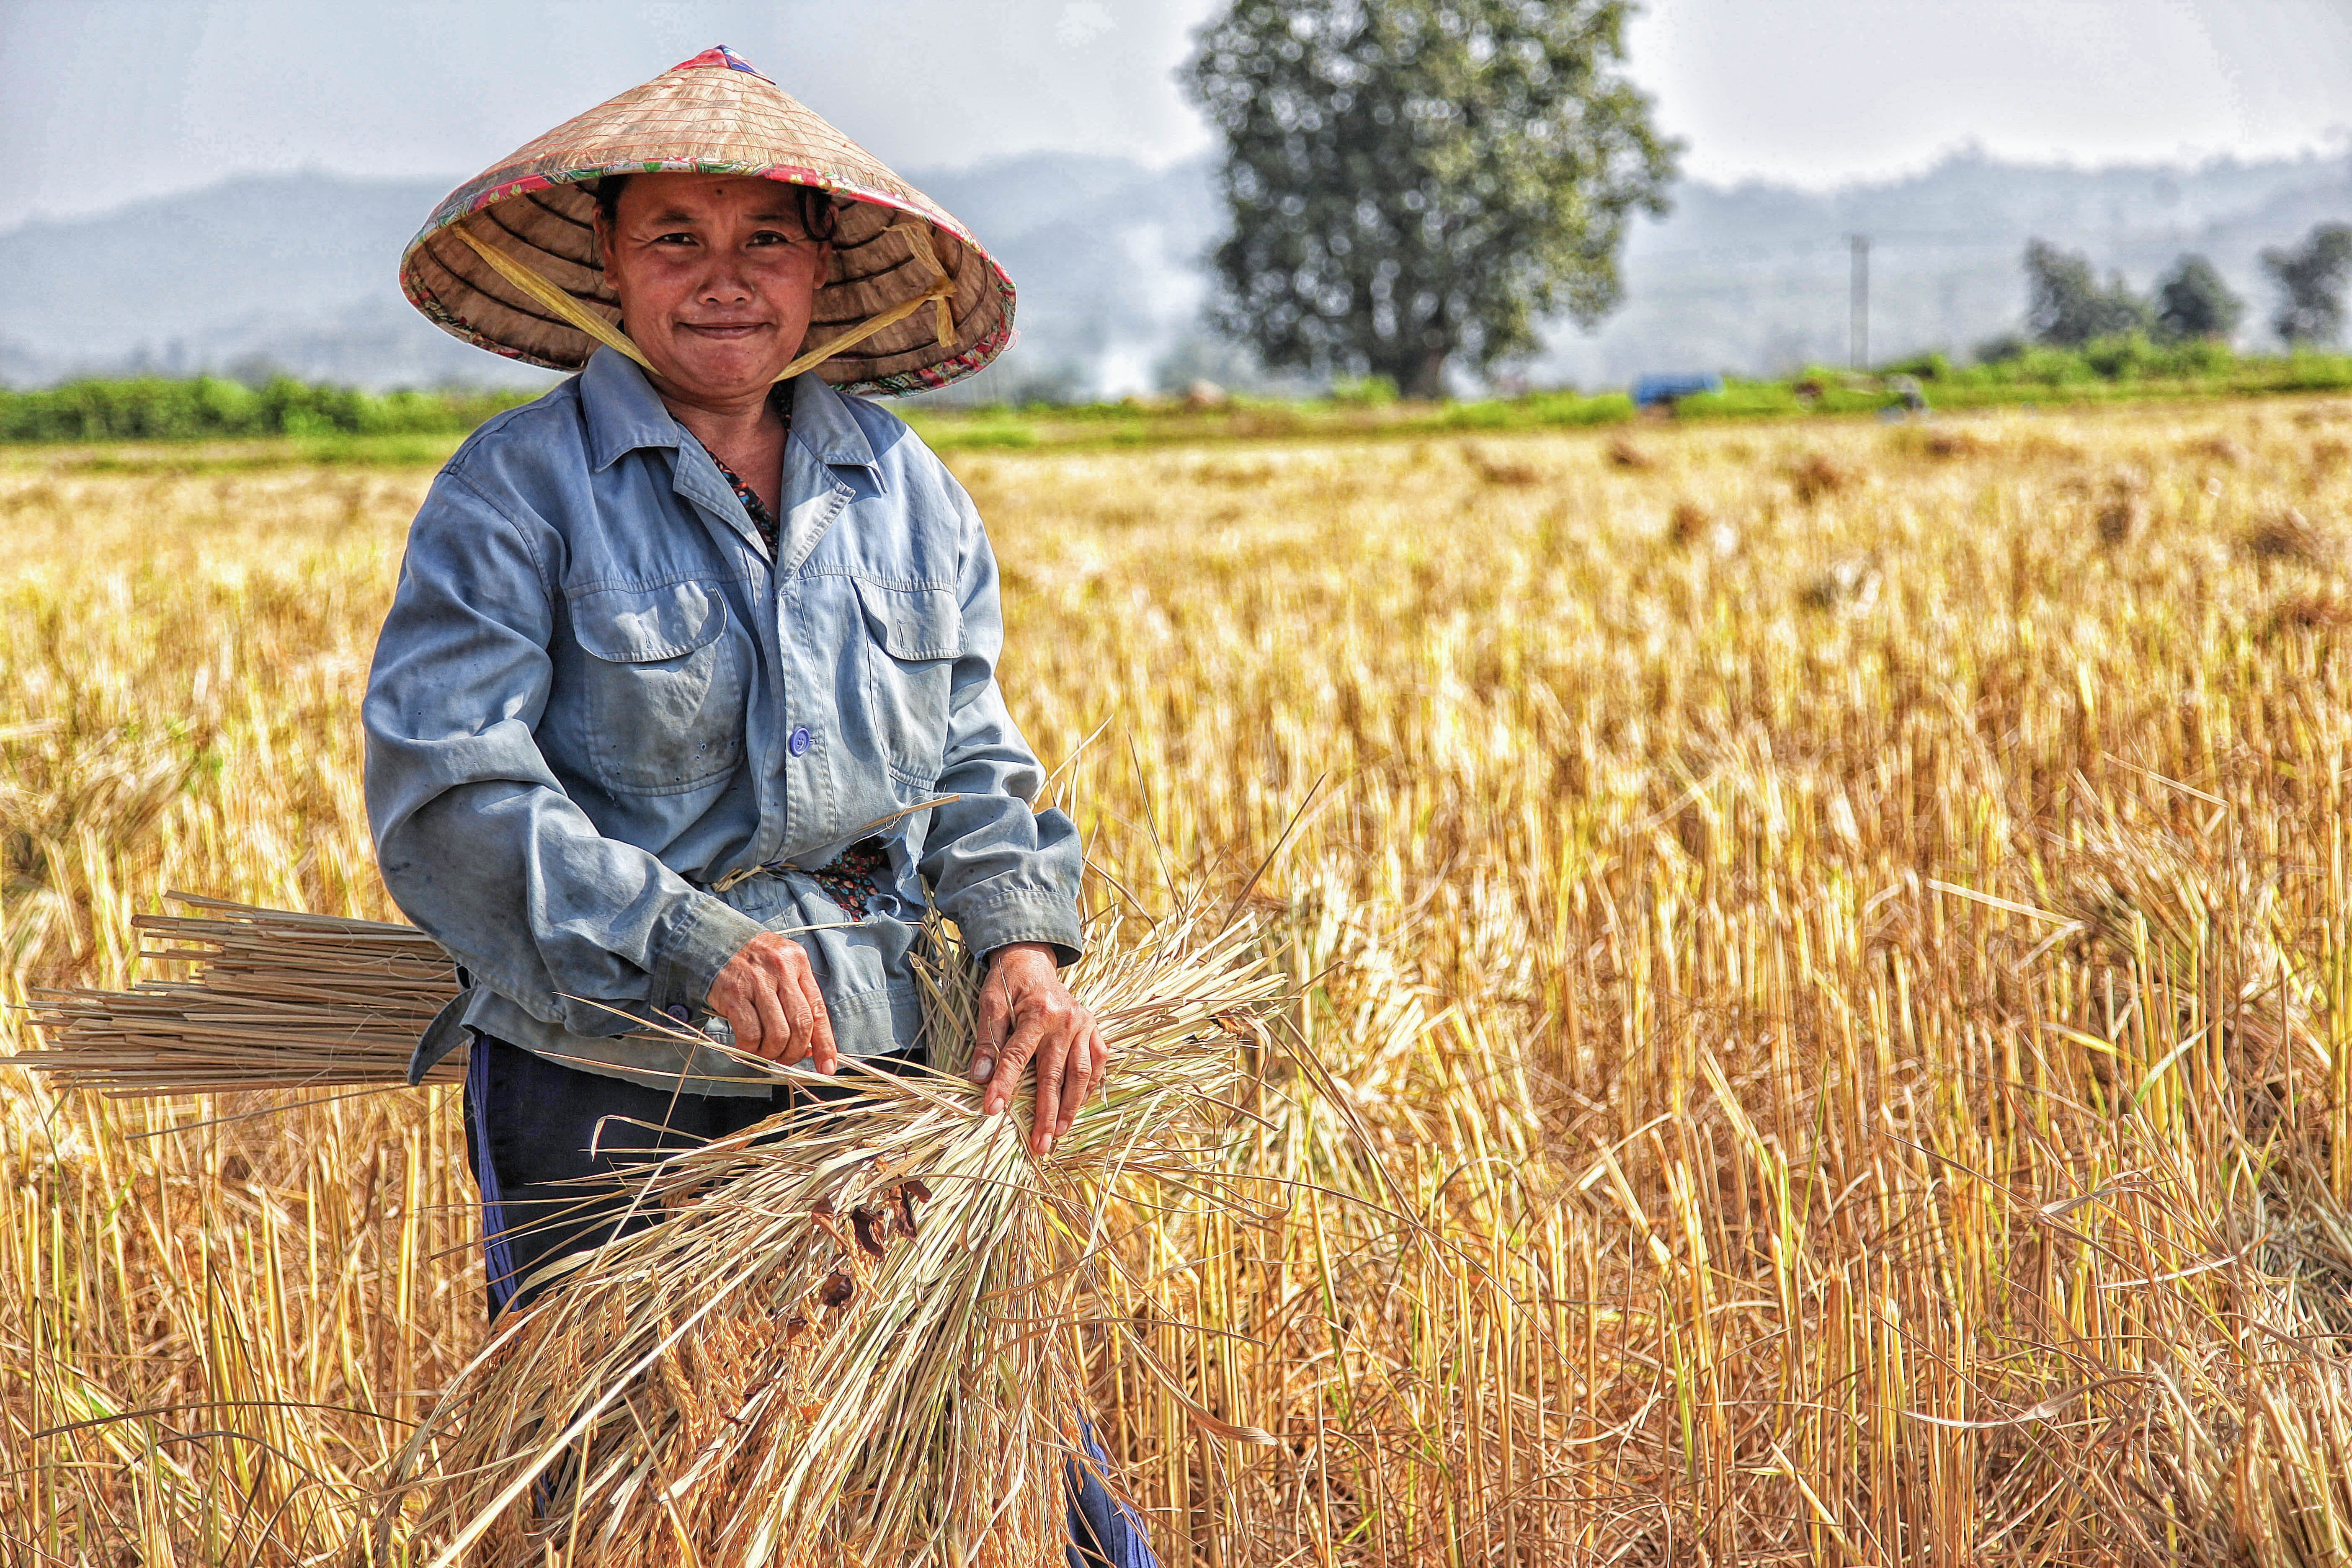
{"x": 799, "y": 744}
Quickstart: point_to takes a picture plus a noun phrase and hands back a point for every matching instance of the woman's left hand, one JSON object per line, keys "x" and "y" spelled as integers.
{"x": 1026, "y": 1013}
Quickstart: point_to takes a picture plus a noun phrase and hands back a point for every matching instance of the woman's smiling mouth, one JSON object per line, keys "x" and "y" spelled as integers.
{"x": 727, "y": 328}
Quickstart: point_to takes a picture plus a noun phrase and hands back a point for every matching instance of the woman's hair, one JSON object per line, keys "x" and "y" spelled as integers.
{"x": 820, "y": 219}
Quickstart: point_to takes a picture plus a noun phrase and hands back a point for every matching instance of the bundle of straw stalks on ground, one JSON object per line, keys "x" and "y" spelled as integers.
{"x": 858, "y": 1335}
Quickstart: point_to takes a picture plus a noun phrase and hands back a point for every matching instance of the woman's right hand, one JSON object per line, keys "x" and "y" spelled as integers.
{"x": 769, "y": 996}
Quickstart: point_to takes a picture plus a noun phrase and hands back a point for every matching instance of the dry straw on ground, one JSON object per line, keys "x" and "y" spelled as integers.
{"x": 1890, "y": 1069}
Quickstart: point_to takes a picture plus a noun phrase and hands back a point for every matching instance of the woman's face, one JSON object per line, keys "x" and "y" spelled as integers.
{"x": 717, "y": 279}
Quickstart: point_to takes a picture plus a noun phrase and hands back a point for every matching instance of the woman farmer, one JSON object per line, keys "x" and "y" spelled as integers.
{"x": 685, "y": 706}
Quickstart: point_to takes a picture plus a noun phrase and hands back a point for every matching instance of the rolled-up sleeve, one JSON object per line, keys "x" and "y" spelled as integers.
{"x": 477, "y": 840}
{"x": 1003, "y": 871}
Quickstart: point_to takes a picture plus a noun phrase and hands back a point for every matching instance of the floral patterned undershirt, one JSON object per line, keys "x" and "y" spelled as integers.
{"x": 780, "y": 399}
{"x": 849, "y": 881}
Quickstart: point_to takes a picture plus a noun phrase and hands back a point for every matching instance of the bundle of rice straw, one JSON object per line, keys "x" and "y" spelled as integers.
{"x": 854, "y": 1338}
{"x": 281, "y": 1000}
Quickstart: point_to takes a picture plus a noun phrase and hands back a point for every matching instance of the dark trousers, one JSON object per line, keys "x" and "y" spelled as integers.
{"x": 532, "y": 1135}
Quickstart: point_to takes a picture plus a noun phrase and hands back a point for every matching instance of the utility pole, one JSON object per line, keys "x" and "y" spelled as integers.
{"x": 1858, "y": 305}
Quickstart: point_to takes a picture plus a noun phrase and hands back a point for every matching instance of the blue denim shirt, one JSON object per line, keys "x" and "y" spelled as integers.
{"x": 595, "y": 698}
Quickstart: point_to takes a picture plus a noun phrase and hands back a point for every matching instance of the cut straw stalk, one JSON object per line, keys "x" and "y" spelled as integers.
{"x": 281, "y": 1000}
{"x": 855, "y": 1337}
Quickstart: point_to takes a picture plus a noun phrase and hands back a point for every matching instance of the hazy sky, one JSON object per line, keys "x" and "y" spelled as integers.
{"x": 109, "y": 99}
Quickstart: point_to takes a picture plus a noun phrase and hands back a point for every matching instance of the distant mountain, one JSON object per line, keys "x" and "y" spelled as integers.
{"x": 297, "y": 271}
{"x": 1754, "y": 278}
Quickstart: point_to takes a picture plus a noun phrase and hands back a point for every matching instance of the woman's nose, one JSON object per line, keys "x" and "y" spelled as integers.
{"x": 726, "y": 283}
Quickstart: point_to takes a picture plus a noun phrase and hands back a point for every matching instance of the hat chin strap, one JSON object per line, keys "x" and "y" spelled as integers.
{"x": 918, "y": 237}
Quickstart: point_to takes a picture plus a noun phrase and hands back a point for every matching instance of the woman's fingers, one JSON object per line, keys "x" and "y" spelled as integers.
{"x": 1028, "y": 1034}
{"x": 1027, "y": 1015}
{"x": 824, "y": 1055}
{"x": 1065, "y": 1072}
{"x": 742, "y": 1023}
{"x": 1058, "y": 1063}
{"x": 1078, "y": 1077}
{"x": 775, "y": 1024}
{"x": 803, "y": 1006}
{"x": 995, "y": 1016}
{"x": 769, "y": 996}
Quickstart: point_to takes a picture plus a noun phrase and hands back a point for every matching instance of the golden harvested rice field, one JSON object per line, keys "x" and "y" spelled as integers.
{"x": 1832, "y": 943}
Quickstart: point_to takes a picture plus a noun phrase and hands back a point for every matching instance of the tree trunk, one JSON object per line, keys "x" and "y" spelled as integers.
{"x": 1427, "y": 383}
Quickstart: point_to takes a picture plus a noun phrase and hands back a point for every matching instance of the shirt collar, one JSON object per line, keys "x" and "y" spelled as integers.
{"x": 625, "y": 413}
{"x": 821, "y": 417}
{"x": 623, "y": 410}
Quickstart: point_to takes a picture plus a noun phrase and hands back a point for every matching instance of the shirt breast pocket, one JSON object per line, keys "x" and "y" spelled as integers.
{"x": 665, "y": 687}
{"x": 913, "y": 637}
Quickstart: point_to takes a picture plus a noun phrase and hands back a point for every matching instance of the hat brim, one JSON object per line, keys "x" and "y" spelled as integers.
{"x": 537, "y": 208}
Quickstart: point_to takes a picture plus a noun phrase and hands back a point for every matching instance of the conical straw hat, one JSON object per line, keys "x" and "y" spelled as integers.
{"x": 508, "y": 261}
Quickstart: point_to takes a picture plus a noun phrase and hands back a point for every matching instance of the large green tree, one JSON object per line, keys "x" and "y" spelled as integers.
{"x": 1415, "y": 180}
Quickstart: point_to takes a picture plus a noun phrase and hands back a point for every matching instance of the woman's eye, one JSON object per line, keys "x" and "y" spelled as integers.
{"x": 674, "y": 239}
{"x": 771, "y": 236}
